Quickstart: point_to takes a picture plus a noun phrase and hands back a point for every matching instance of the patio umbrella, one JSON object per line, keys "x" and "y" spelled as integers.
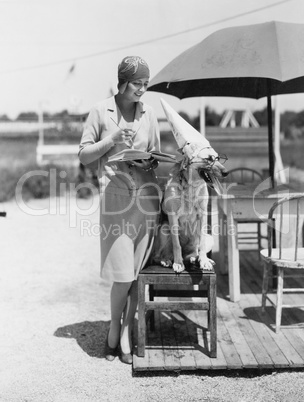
{"x": 251, "y": 61}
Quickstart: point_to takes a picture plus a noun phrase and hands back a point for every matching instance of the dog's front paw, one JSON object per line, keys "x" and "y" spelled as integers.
{"x": 206, "y": 264}
{"x": 166, "y": 264}
{"x": 178, "y": 267}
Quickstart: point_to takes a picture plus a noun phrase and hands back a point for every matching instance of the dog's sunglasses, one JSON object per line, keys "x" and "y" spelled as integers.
{"x": 221, "y": 158}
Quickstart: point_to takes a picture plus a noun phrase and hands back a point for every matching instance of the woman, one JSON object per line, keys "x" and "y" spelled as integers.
{"x": 129, "y": 198}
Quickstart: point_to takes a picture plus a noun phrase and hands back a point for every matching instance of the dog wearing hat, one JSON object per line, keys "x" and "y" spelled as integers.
{"x": 183, "y": 237}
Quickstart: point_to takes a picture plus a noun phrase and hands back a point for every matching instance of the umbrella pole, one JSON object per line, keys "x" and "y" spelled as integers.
{"x": 270, "y": 136}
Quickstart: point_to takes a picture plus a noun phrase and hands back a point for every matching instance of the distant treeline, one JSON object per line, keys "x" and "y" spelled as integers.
{"x": 292, "y": 123}
{"x": 47, "y": 117}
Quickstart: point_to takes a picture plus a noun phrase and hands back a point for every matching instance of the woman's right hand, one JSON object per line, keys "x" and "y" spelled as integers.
{"x": 123, "y": 136}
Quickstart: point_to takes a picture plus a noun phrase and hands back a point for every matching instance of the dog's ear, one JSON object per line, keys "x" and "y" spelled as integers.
{"x": 187, "y": 150}
{"x": 191, "y": 149}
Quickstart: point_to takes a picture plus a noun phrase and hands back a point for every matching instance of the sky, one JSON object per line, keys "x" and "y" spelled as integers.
{"x": 63, "y": 54}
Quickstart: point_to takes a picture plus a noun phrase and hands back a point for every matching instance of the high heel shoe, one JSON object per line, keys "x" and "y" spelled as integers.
{"x": 110, "y": 353}
{"x": 126, "y": 358}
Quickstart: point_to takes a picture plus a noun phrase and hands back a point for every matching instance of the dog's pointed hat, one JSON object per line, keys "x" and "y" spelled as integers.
{"x": 183, "y": 131}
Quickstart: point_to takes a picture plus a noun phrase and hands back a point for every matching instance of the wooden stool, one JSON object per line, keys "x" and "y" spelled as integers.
{"x": 157, "y": 275}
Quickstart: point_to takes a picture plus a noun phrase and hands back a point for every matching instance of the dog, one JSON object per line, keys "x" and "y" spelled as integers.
{"x": 184, "y": 238}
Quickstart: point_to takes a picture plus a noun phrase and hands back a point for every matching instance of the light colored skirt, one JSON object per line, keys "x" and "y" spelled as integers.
{"x": 127, "y": 229}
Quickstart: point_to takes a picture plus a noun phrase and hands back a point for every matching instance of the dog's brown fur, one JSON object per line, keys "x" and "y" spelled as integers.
{"x": 184, "y": 237}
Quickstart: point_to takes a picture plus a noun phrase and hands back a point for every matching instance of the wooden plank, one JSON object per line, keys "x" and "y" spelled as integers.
{"x": 184, "y": 346}
{"x": 229, "y": 351}
{"x": 297, "y": 313}
{"x": 249, "y": 301}
{"x": 178, "y": 305}
{"x": 258, "y": 349}
{"x": 212, "y": 314}
{"x": 195, "y": 333}
{"x": 263, "y": 332}
{"x": 293, "y": 347}
{"x": 279, "y": 347}
{"x": 290, "y": 340}
{"x": 294, "y": 335}
{"x": 139, "y": 363}
{"x": 171, "y": 354}
{"x": 260, "y": 353}
{"x": 233, "y": 256}
{"x": 237, "y": 336}
{"x": 141, "y": 324}
{"x": 216, "y": 363}
{"x": 155, "y": 346}
{"x": 260, "y": 340}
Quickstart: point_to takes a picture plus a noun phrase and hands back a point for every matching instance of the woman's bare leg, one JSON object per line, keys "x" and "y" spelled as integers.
{"x": 128, "y": 319}
{"x": 119, "y": 296}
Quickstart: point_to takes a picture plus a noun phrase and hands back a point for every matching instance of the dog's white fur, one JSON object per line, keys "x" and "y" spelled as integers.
{"x": 185, "y": 201}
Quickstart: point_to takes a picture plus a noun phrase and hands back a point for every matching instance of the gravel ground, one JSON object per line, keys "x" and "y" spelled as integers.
{"x": 54, "y": 314}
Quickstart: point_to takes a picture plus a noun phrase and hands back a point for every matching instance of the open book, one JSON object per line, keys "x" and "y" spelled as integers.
{"x": 135, "y": 154}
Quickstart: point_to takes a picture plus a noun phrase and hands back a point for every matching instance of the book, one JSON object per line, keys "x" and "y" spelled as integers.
{"x": 135, "y": 154}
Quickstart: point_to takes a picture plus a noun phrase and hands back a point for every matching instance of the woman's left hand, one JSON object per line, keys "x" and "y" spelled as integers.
{"x": 146, "y": 164}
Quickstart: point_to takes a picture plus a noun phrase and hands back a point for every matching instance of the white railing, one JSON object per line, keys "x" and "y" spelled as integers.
{"x": 26, "y": 126}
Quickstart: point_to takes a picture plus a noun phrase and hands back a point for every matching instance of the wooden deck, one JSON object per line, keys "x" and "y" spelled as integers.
{"x": 246, "y": 337}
